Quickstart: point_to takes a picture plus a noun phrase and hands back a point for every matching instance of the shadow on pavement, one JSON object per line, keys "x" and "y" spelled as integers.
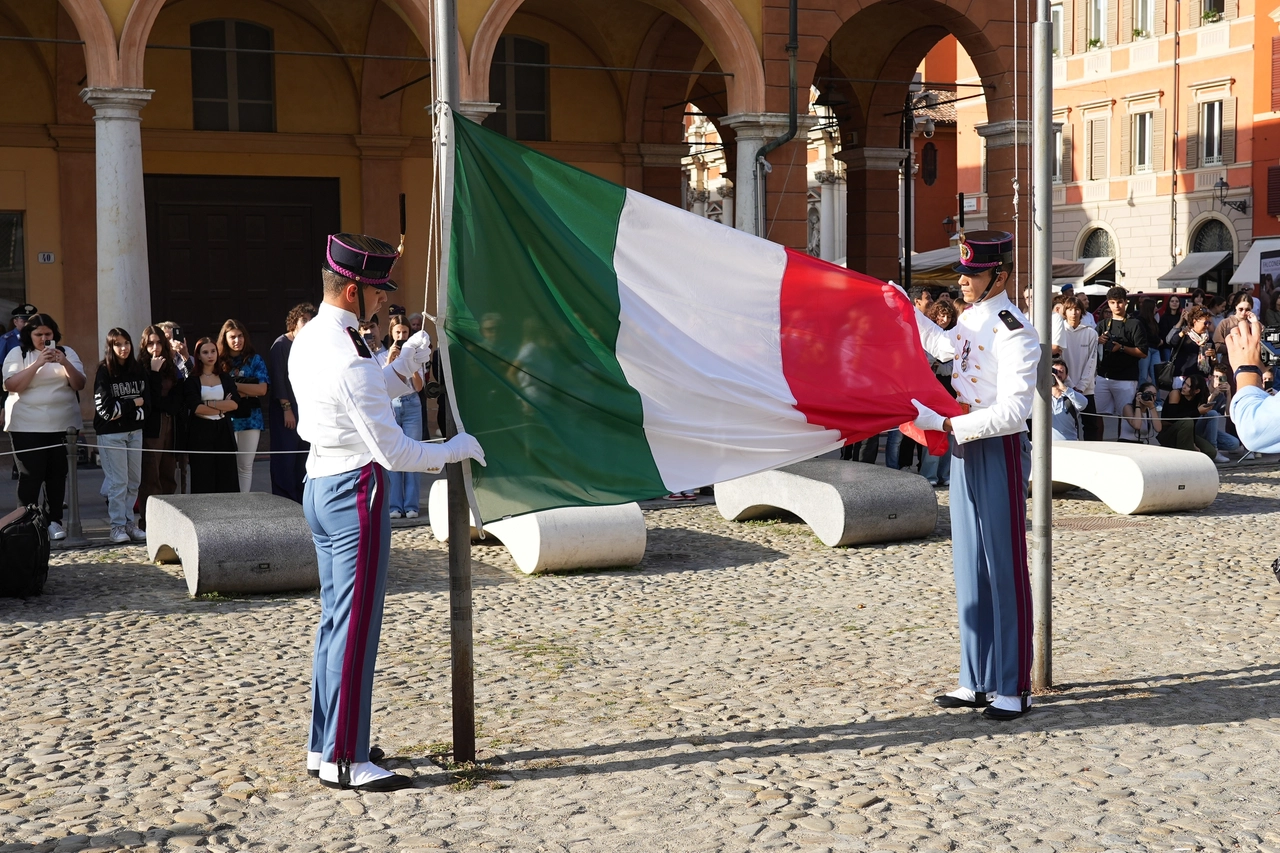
{"x": 1225, "y": 697}
{"x": 685, "y": 550}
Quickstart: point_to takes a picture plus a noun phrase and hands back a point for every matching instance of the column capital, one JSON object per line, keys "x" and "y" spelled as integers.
{"x": 1005, "y": 134}
{"x": 725, "y": 191}
{"x": 696, "y": 196}
{"x": 767, "y": 126}
{"x": 116, "y": 102}
{"x": 872, "y": 159}
{"x": 670, "y": 154}
{"x": 477, "y": 111}
{"x": 829, "y": 177}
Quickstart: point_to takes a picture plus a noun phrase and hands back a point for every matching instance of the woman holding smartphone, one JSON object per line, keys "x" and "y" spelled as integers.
{"x": 403, "y": 485}
{"x": 246, "y": 368}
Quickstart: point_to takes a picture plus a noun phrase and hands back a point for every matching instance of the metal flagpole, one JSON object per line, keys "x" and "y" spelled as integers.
{"x": 1042, "y": 411}
{"x": 460, "y": 629}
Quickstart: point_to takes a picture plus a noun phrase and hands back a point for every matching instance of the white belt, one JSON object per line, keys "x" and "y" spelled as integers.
{"x": 340, "y": 450}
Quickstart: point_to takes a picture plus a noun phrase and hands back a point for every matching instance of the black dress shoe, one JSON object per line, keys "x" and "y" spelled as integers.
{"x": 375, "y": 755}
{"x": 944, "y": 701}
{"x": 991, "y": 712}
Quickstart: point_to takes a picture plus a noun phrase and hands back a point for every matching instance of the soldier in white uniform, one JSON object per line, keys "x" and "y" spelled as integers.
{"x": 995, "y": 355}
{"x": 344, "y": 411}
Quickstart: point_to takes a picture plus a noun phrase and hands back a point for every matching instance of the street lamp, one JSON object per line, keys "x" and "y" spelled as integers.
{"x": 949, "y": 225}
{"x": 1221, "y": 188}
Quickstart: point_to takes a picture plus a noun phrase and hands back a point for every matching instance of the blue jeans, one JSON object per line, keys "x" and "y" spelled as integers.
{"x": 1211, "y": 428}
{"x": 404, "y": 485}
{"x": 121, "y": 454}
{"x": 1147, "y": 366}
{"x": 891, "y": 446}
{"x": 936, "y": 469}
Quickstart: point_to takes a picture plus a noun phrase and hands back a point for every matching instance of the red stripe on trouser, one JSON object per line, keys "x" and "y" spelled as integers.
{"x": 369, "y": 497}
{"x": 1018, "y": 548}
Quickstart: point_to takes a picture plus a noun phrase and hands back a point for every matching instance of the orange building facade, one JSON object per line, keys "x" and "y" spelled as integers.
{"x": 1158, "y": 108}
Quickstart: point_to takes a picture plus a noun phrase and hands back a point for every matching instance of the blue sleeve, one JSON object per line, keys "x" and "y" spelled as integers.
{"x": 257, "y": 369}
{"x": 1257, "y": 418}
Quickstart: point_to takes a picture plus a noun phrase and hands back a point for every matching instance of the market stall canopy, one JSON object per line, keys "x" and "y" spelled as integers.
{"x": 1249, "y": 271}
{"x": 935, "y": 267}
{"x": 1191, "y": 269}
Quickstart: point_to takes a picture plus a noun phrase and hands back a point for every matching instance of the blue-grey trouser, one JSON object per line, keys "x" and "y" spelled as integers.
{"x": 989, "y": 555}
{"x": 352, "y": 531}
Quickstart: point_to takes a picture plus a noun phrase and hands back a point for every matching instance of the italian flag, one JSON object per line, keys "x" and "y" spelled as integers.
{"x": 606, "y": 347}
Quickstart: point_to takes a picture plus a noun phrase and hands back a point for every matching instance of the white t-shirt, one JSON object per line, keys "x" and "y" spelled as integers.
{"x": 46, "y": 405}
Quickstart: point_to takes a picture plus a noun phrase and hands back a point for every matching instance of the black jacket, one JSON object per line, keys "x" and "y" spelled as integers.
{"x": 173, "y": 403}
{"x": 120, "y": 403}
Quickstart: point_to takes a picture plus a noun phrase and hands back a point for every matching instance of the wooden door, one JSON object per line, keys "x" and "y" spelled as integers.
{"x": 236, "y": 247}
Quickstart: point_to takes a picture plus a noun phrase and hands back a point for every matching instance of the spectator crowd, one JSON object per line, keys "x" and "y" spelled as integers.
{"x": 170, "y": 415}
{"x": 1148, "y": 370}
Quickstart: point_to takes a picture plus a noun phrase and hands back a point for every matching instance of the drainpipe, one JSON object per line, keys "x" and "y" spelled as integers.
{"x": 762, "y": 164}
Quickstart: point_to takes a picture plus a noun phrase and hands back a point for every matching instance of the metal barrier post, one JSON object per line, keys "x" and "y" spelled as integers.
{"x": 75, "y": 533}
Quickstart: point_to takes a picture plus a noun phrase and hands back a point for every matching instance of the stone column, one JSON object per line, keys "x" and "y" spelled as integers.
{"x": 872, "y": 175}
{"x": 726, "y": 205}
{"x": 124, "y": 280}
{"x": 1009, "y": 142}
{"x": 752, "y": 131}
{"x": 830, "y": 225}
{"x": 698, "y": 202}
{"x": 381, "y": 158}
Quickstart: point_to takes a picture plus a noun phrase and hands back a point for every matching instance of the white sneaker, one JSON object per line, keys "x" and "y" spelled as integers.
{"x": 136, "y": 534}
{"x": 1221, "y": 458}
{"x": 119, "y": 535}
{"x": 395, "y": 513}
{"x": 410, "y": 513}
{"x": 56, "y": 532}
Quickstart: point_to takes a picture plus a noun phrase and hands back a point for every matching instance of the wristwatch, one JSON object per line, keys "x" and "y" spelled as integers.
{"x": 1249, "y": 368}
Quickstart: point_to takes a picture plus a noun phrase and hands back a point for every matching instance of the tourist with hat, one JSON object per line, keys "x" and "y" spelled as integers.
{"x": 344, "y": 412}
{"x": 995, "y": 354}
{"x": 12, "y": 338}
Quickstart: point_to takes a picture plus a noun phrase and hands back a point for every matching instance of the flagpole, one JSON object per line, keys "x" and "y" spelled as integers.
{"x": 1042, "y": 411}
{"x": 461, "y": 648}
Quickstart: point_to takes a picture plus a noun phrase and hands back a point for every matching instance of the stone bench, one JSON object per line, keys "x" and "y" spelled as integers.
{"x": 845, "y": 503}
{"x": 233, "y": 543}
{"x": 585, "y": 537}
{"x": 1134, "y": 479}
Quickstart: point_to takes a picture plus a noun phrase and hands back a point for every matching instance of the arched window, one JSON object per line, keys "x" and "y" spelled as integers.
{"x": 231, "y": 90}
{"x": 1213, "y": 236}
{"x": 519, "y": 85}
{"x": 1098, "y": 244}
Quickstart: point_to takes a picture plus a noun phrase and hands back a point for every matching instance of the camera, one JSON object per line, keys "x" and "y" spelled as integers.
{"x": 1146, "y": 397}
{"x": 433, "y": 389}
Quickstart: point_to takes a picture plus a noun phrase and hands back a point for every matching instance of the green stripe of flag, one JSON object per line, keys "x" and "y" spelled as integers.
{"x": 532, "y": 326}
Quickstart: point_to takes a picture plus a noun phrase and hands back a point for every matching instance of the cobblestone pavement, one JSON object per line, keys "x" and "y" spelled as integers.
{"x": 746, "y": 688}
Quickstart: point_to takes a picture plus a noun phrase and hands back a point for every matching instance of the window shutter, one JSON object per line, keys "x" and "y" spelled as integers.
{"x": 1231, "y": 9}
{"x": 1126, "y": 145}
{"x": 1194, "y": 8}
{"x": 1193, "y": 136}
{"x": 1126, "y": 21}
{"x": 1082, "y": 26}
{"x": 1161, "y": 26}
{"x": 1273, "y": 191}
{"x": 1157, "y": 140}
{"x": 1068, "y": 26}
{"x": 1098, "y": 149}
{"x": 1113, "y": 22}
{"x": 1228, "y": 131}
{"x": 1275, "y": 72}
{"x": 1065, "y": 167}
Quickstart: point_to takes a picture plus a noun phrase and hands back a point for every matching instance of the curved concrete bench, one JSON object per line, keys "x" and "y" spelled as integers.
{"x": 846, "y": 503}
{"x": 233, "y": 543}
{"x": 580, "y": 537}
{"x": 1133, "y": 479}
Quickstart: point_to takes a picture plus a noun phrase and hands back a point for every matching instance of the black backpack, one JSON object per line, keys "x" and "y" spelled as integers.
{"x": 24, "y": 553}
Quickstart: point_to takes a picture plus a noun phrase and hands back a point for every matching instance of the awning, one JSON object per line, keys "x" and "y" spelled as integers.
{"x": 1248, "y": 272}
{"x": 1087, "y": 271}
{"x": 1190, "y": 269}
{"x": 934, "y": 267}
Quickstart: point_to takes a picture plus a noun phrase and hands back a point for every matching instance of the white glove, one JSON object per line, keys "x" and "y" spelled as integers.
{"x": 464, "y": 446}
{"x": 927, "y": 419}
{"x": 415, "y": 352}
